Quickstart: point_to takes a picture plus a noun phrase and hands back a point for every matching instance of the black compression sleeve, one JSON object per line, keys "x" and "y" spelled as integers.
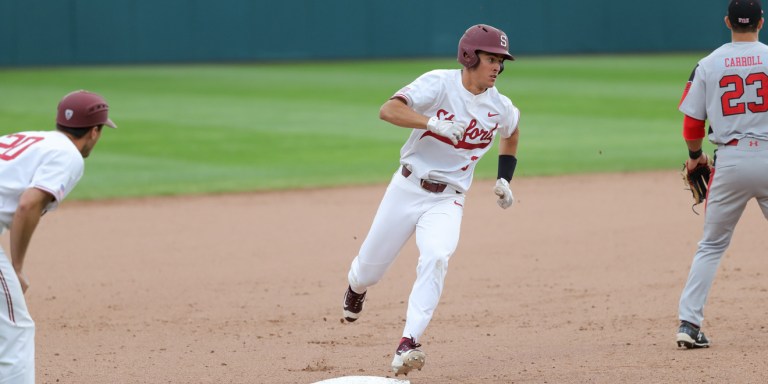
{"x": 507, "y": 164}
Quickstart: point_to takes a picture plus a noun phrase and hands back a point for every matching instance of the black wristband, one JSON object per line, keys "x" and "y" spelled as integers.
{"x": 694, "y": 154}
{"x": 507, "y": 164}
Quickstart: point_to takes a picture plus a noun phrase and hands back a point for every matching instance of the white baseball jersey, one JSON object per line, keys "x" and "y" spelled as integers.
{"x": 47, "y": 160}
{"x": 440, "y": 93}
{"x": 407, "y": 208}
{"x": 51, "y": 162}
{"x": 730, "y": 89}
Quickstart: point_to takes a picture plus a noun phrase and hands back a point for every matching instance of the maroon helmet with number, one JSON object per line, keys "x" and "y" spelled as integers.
{"x": 484, "y": 38}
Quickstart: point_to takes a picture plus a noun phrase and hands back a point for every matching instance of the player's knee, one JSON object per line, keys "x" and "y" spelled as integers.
{"x": 361, "y": 277}
{"x": 435, "y": 263}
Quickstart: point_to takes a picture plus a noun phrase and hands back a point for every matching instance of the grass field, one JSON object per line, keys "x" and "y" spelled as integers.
{"x": 224, "y": 128}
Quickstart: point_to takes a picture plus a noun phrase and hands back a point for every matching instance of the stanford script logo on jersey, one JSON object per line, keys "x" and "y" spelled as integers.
{"x": 474, "y": 136}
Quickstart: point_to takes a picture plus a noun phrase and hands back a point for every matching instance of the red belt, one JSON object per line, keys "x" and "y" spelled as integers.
{"x": 752, "y": 142}
{"x": 426, "y": 184}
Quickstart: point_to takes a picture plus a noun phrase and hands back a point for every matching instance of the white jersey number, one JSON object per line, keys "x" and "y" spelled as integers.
{"x": 12, "y": 146}
{"x": 737, "y": 92}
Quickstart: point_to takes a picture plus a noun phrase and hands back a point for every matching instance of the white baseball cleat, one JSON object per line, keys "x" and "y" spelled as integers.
{"x": 408, "y": 357}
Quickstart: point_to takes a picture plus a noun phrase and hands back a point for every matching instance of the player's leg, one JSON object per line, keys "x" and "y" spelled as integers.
{"x": 763, "y": 202}
{"x": 437, "y": 236}
{"x": 17, "y": 330}
{"x": 717, "y": 237}
{"x": 762, "y": 190}
{"x": 392, "y": 226}
{"x": 730, "y": 190}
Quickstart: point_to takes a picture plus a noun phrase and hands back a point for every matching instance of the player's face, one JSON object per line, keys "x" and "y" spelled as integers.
{"x": 487, "y": 69}
{"x": 92, "y": 139}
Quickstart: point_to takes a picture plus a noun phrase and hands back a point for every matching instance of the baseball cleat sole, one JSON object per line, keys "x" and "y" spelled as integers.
{"x": 408, "y": 361}
{"x": 686, "y": 341}
{"x": 351, "y": 317}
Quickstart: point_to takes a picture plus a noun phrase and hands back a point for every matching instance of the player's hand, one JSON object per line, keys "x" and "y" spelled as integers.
{"x": 23, "y": 280}
{"x": 446, "y": 128}
{"x": 504, "y": 193}
{"x": 690, "y": 164}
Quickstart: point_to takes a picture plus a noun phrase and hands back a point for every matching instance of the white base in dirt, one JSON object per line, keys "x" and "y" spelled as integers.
{"x": 362, "y": 380}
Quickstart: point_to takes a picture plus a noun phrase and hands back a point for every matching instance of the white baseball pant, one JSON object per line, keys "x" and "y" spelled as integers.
{"x": 435, "y": 218}
{"x": 17, "y": 330}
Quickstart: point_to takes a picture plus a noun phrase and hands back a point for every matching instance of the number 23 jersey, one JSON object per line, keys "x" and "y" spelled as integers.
{"x": 730, "y": 89}
{"x": 441, "y": 93}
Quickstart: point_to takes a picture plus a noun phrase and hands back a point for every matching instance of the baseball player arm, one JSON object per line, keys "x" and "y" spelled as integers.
{"x": 397, "y": 112}
{"x": 25, "y": 220}
{"x": 695, "y": 154}
{"x": 507, "y": 164}
{"x": 508, "y": 145}
{"x": 693, "y": 132}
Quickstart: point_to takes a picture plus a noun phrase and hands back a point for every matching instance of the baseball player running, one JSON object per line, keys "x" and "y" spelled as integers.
{"x": 454, "y": 116}
{"x": 37, "y": 171}
{"x": 730, "y": 89}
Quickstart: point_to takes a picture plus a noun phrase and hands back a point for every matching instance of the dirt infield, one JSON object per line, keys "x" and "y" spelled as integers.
{"x": 578, "y": 282}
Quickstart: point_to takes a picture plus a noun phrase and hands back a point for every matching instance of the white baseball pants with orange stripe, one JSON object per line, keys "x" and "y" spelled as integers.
{"x": 435, "y": 218}
{"x": 17, "y": 330}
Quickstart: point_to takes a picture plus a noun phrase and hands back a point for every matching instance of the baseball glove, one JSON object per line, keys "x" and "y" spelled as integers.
{"x": 697, "y": 180}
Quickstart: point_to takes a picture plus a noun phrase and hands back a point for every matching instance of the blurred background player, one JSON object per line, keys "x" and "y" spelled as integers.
{"x": 38, "y": 169}
{"x": 730, "y": 89}
{"x": 454, "y": 116}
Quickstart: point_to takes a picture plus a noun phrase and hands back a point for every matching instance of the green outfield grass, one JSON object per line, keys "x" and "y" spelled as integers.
{"x": 223, "y": 128}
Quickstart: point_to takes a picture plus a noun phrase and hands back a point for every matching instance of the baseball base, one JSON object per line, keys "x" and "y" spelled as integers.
{"x": 362, "y": 380}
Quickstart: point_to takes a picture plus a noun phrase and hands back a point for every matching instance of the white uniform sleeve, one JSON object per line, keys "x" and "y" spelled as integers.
{"x": 422, "y": 92}
{"x": 58, "y": 174}
{"x": 514, "y": 119}
{"x": 694, "y": 103}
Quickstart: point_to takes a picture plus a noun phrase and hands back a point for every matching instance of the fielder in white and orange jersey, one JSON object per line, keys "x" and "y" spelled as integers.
{"x": 730, "y": 89}
{"x": 454, "y": 116}
{"x": 38, "y": 169}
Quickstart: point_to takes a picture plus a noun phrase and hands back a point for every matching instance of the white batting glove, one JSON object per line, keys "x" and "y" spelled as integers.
{"x": 446, "y": 128}
{"x": 504, "y": 193}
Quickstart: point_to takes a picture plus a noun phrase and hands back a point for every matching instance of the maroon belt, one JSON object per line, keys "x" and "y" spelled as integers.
{"x": 426, "y": 184}
{"x": 733, "y": 142}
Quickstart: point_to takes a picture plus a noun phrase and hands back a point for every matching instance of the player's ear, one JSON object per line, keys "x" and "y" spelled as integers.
{"x": 727, "y": 22}
{"x": 95, "y": 132}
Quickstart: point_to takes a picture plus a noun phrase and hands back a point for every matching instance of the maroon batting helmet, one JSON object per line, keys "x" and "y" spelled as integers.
{"x": 484, "y": 38}
{"x": 83, "y": 109}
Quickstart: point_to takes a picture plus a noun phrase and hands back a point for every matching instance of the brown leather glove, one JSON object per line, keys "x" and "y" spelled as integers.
{"x": 697, "y": 180}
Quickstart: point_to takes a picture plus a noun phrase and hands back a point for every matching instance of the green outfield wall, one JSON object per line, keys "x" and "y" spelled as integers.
{"x": 85, "y": 32}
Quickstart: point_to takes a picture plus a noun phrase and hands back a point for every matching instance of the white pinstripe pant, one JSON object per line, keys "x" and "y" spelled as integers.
{"x": 17, "y": 330}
